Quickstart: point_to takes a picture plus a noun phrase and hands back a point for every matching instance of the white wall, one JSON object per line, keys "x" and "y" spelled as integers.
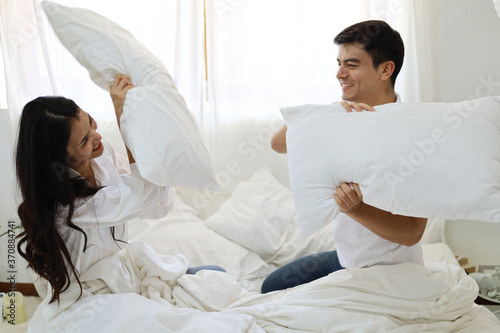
{"x": 467, "y": 51}
{"x": 8, "y": 201}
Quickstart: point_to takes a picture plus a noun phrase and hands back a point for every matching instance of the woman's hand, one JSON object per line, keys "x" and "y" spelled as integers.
{"x": 118, "y": 91}
{"x": 348, "y": 197}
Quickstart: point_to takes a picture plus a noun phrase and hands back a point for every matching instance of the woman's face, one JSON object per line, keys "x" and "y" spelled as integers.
{"x": 84, "y": 142}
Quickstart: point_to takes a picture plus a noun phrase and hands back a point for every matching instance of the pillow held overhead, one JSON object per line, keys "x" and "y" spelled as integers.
{"x": 156, "y": 125}
{"x": 434, "y": 160}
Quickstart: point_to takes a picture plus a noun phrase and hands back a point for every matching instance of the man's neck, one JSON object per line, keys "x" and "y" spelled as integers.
{"x": 389, "y": 97}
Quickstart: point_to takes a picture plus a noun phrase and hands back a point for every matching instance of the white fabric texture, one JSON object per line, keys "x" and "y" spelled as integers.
{"x": 185, "y": 233}
{"x": 435, "y": 160}
{"x": 218, "y": 240}
{"x": 259, "y": 215}
{"x": 123, "y": 198}
{"x": 435, "y": 298}
{"x": 358, "y": 246}
{"x": 137, "y": 314}
{"x": 157, "y": 126}
{"x": 387, "y": 298}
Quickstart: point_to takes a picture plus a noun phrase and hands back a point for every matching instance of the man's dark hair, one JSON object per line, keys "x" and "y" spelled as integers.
{"x": 378, "y": 39}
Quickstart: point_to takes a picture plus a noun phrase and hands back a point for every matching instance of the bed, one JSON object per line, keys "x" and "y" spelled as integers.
{"x": 250, "y": 229}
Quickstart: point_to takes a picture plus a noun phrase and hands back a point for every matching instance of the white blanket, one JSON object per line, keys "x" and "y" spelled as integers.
{"x": 144, "y": 288}
{"x": 394, "y": 298}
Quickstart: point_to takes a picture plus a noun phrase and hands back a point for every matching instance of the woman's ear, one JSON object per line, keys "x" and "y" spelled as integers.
{"x": 386, "y": 69}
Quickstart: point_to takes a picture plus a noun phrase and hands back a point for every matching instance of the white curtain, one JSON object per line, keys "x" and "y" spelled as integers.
{"x": 415, "y": 21}
{"x": 264, "y": 55}
{"x": 23, "y": 64}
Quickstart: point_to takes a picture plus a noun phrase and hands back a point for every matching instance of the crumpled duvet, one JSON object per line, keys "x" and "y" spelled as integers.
{"x": 156, "y": 296}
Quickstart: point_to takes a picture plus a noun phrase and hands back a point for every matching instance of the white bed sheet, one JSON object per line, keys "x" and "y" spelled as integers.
{"x": 398, "y": 298}
{"x": 393, "y": 298}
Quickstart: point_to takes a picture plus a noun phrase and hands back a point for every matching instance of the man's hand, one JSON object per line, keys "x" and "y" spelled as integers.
{"x": 358, "y": 107}
{"x": 399, "y": 229}
{"x": 348, "y": 197}
{"x": 118, "y": 90}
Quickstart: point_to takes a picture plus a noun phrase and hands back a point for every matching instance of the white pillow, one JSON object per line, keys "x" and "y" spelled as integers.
{"x": 161, "y": 133}
{"x": 259, "y": 215}
{"x": 439, "y": 160}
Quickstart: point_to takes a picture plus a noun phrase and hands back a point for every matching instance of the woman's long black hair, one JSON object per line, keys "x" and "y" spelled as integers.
{"x": 46, "y": 186}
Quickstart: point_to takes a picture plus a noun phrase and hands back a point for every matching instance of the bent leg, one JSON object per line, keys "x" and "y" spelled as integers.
{"x": 301, "y": 271}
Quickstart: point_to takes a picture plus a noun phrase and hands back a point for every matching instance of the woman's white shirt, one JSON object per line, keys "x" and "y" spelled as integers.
{"x": 125, "y": 196}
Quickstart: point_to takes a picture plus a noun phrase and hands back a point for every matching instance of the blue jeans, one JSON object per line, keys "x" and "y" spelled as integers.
{"x": 196, "y": 269}
{"x": 301, "y": 271}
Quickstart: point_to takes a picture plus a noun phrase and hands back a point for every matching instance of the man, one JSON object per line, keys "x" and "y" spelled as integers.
{"x": 370, "y": 57}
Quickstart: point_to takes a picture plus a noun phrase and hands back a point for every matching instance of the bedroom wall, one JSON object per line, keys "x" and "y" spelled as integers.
{"x": 8, "y": 204}
{"x": 467, "y": 50}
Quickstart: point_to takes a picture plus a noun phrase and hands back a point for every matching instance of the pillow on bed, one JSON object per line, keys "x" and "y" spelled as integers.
{"x": 259, "y": 215}
{"x": 439, "y": 160}
{"x": 161, "y": 133}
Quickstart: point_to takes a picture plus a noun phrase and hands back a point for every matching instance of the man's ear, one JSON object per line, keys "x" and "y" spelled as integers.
{"x": 386, "y": 69}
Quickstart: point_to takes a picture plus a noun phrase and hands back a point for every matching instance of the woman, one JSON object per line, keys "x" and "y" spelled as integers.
{"x": 77, "y": 193}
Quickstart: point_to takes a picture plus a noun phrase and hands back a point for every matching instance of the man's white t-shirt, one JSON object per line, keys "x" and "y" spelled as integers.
{"x": 358, "y": 247}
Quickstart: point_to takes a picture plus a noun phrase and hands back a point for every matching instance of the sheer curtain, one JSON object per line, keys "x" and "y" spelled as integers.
{"x": 23, "y": 65}
{"x": 37, "y": 64}
{"x": 263, "y": 55}
{"x": 415, "y": 21}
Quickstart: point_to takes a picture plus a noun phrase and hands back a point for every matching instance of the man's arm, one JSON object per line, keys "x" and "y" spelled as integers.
{"x": 278, "y": 141}
{"x": 404, "y": 230}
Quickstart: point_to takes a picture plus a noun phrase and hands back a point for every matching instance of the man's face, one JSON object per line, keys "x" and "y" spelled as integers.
{"x": 359, "y": 80}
